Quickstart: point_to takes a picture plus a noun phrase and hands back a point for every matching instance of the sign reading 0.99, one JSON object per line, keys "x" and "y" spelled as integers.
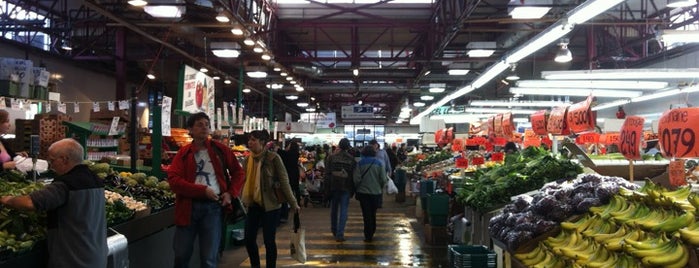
{"x": 630, "y": 137}
{"x": 677, "y": 133}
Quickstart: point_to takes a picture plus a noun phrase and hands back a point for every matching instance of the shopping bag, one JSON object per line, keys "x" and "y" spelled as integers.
{"x": 238, "y": 213}
{"x": 391, "y": 187}
{"x": 297, "y": 244}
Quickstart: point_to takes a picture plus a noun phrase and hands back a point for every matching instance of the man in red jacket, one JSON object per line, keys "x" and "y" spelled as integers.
{"x": 204, "y": 175}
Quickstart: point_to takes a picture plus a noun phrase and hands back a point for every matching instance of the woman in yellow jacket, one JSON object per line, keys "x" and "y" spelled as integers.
{"x": 265, "y": 176}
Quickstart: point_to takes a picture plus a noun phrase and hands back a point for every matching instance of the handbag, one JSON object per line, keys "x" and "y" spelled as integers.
{"x": 297, "y": 244}
{"x": 238, "y": 213}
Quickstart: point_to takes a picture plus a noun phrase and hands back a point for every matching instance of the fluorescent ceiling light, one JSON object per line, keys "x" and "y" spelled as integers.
{"x": 203, "y": 69}
{"x": 221, "y": 17}
{"x": 246, "y": 90}
{"x": 480, "y": 49}
{"x": 459, "y": 118}
{"x": 666, "y": 73}
{"x": 681, "y": 3}
{"x": 300, "y": 89}
{"x": 480, "y": 53}
{"x": 258, "y": 49}
{"x": 520, "y": 120}
{"x": 150, "y": 76}
{"x": 427, "y": 97}
{"x": 165, "y": 11}
{"x": 489, "y": 74}
{"x": 590, "y": 9}
{"x": 517, "y": 103}
{"x": 580, "y": 92}
{"x": 436, "y": 89}
{"x": 302, "y": 104}
{"x": 237, "y": 31}
{"x": 419, "y": 104}
{"x": 292, "y": 97}
{"x": 612, "y": 104}
{"x": 500, "y": 110}
{"x": 216, "y": 77}
{"x": 227, "y": 81}
{"x": 679, "y": 36}
{"x": 249, "y": 42}
{"x": 266, "y": 56}
{"x": 256, "y": 71}
{"x": 550, "y": 35}
{"x": 595, "y": 84}
{"x": 656, "y": 95}
{"x": 310, "y": 109}
{"x": 226, "y": 53}
{"x": 528, "y": 12}
{"x": 137, "y": 3}
{"x": 458, "y": 71}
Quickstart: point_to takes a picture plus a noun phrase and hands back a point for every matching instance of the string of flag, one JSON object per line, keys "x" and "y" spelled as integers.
{"x": 25, "y": 104}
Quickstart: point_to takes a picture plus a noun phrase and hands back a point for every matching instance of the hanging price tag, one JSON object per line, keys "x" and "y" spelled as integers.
{"x": 491, "y": 126}
{"x": 611, "y": 138}
{"x": 95, "y": 106}
{"x": 675, "y": 171}
{"x": 497, "y": 125}
{"x": 580, "y": 117}
{"x": 677, "y": 130}
{"x": 538, "y": 121}
{"x": 110, "y": 105}
{"x": 457, "y": 145}
{"x": 587, "y": 138}
{"x": 76, "y": 107}
{"x": 507, "y": 125}
{"x": 630, "y": 137}
{"x": 556, "y": 123}
{"x": 61, "y": 107}
{"x": 531, "y": 139}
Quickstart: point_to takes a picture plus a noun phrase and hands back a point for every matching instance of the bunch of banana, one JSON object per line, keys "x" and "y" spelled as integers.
{"x": 580, "y": 252}
{"x": 669, "y": 255}
{"x": 626, "y": 261}
{"x": 602, "y": 237}
{"x": 652, "y": 218}
{"x": 635, "y": 210}
{"x": 694, "y": 200}
{"x": 601, "y": 227}
{"x": 601, "y": 258}
{"x": 616, "y": 203}
{"x": 563, "y": 238}
{"x": 690, "y": 234}
{"x": 539, "y": 254}
{"x": 673, "y": 224}
{"x": 582, "y": 224}
{"x": 648, "y": 242}
{"x": 616, "y": 243}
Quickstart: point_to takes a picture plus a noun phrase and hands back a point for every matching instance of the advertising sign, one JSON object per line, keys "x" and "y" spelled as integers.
{"x": 197, "y": 92}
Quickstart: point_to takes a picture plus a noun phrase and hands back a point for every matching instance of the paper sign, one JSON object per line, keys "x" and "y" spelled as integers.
{"x": 580, "y": 118}
{"x": 507, "y": 125}
{"x": 497, "y": 157}
{"x": 612, "y": 138}
{"x": 675, "y": 171}
{"x": 14, "y": 103}
{"x": 95, "y": 106}
{"x": 461, "y": 162}
{"x": 166, "y": 112}
{"x": 497, "y": 126}
{"x": 48, "y": 107}
{"x": 630, "y": 137}
{"x": 110, "y": 105}
{"x": 491, "y": 125}
{"x": 457, "y": 145}
{"x": 76, "y": 107}
{"x": 556, "y": 123}
{"x": 2, "y": 103}
{"x": 531, "y": 138}
{"x": 61, "y": 107}
{"x": 587, "y": 138}
{"x": 499, "y": 141}
{"x": 123, "y": 105}
{"x": 113, "y": 128}
{"x": 677, "y": 130}
{"x": 538, "y": 121}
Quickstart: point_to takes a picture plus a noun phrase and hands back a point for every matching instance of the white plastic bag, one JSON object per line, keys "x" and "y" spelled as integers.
{"x": 391, "y": 187}
{"x": 297, "y": 243}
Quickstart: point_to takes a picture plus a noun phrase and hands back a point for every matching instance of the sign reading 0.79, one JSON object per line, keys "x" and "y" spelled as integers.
{"x": 677, "y": 133}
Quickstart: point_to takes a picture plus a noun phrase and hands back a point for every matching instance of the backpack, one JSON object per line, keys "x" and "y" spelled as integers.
{"x": 341, "y": 168}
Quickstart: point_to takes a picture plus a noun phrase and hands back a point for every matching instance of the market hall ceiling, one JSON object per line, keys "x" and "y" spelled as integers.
{"x": 400, "y": 49}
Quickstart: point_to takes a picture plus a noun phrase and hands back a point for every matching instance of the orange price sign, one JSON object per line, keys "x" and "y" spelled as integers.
{"x": 497, "y": 157}
{"x": 497, "y": 124}
{"x": 556, "y": 123}
{"x": 675, "y": 171}
{"x": 531, "y": 139}
{"x": 461, "y": 162}
{"x": 677, "y": 130}
{"x": 587, "y": 138}
{"x": 630, "y": 137}
{"x": 507, "y": 125}
{"x": 538, "y": 121}
{"x": 580, "y": 117}
{"x": 491, "y": 125}
{"x": 612, "y": 138}
{"x": 478, "y": 161}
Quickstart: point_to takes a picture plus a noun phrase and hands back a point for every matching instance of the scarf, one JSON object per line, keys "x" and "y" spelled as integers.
{"x": 251, "y": 190}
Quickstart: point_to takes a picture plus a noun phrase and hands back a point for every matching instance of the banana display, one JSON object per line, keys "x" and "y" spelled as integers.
{"x": 648, "y": 227}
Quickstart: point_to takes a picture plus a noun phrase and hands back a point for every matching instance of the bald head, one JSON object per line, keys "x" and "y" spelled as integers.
{"x": 65, "y": 154}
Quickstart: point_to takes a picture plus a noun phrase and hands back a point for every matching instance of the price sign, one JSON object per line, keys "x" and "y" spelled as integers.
{"x": 675, "y": 171}
{"x": 491, "y": 125}
{"x": 580, "y": 117}
{"x": 478, "y": 161}
{"x": 531, "y": 139}
{"x": 497, "y": 124}
{"x": 611, "y": 138}
{"x": 497, "y": 157}
{"x": 556, "y": 123}
{"x": 630, "y": 137}
{"x": 538, "y": 121}
{"x": 507, "y": 125}
{"x": 499, "y": 141}
{"x": 457, "y": 145}
{"x": 461, "y": 162}
{"x": 587, "y": 138}
{"x": 677, "y": 130}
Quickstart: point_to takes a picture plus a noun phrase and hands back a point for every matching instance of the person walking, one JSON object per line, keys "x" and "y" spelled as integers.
{"x": 265, "y": 178}
{"x": 74, "y": 202}
{"x": 290, "y": 158}
{"x": 369, "y": 180}
{"x": 202, "y": 192}
{"x": 339, "y": 169}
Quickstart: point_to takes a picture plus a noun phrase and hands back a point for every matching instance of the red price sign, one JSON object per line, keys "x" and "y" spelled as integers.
{"x": 611, "y": 138}
{"x": 507, "y": 125}
{"x": 538, "y": 121}
{"x": 556, "y": 123}
{"x": 630, "y": 137}
{"x": 677, "y": 130}
{"x": 580, "y": 117}
{"x": 531, "y": 139}
{"x": 497, "y": 157}
{"x": 457, "y": 145}
{"x": 675, "y": 171}
{"x": 478, "y": 161}
{"x": 587, "y": 138}
{"x": 497, "y": 124}
{"x": 461, "y": 162}
{"x": 491, "y": 125}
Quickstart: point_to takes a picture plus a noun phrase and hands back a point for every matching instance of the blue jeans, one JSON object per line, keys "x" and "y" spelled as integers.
{"x": 205, "y": 223}
{"x": 268, "y": 220}
{"x": 338, "y": 205}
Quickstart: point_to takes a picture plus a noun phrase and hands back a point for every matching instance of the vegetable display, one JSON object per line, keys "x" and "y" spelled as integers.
{"x": 19, "y": 230}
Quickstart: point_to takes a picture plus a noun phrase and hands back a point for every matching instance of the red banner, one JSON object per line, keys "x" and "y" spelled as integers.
{"x": 580, "y": 117}
{"x": 677, "y": 133}
{"x": 556, "y": 123}
{"x": 630, "y": 137}
{"x": 538, "y": 121}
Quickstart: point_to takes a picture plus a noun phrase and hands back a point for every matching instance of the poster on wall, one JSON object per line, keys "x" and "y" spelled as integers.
{"x": 165, "y": 117}
{"x": 196, "y": 92}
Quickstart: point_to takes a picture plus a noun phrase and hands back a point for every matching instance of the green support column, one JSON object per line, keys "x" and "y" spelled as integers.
{"x": 156, "y": 140}
{"x": 239, "y": 100}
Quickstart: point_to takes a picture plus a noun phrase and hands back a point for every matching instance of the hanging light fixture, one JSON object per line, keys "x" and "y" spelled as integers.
{"x": 137, "y": 3}
{"x": 150, "y": 76}
{"x": 221, "y": 16}
{"x": 512, "y": 74}
{"x": 563, "y": 54}
{"x": 681, "y": 3}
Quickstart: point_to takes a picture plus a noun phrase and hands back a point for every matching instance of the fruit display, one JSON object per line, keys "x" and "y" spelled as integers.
{"x": 528, "y": 217}
{"x": 647, "y": 227}
{"x": 521, "y": 172}
{"x": 147, "y": 189}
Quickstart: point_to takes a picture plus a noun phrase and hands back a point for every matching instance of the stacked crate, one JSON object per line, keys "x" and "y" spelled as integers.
{"x": 49, "y": 127}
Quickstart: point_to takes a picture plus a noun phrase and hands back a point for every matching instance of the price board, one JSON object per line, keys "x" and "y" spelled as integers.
{"x": 457, "y": 145}
{"x": 630, "y": 137}
{"x": 538, "y": 121}
{"x": 556, "y": 123}
{"x": 677, "y": 133}
{"x": 675, "y": 171}
{"x": 497, "y": 125}
{"x": 580, "y": 117}
{"x": 508, "y": 125}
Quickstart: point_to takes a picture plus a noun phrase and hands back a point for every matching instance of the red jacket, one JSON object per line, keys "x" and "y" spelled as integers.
{"x": 182, "y": 173}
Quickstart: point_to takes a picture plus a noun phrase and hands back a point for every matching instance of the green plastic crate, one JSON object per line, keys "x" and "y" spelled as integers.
{"x": 468, "y": 256}
{"x": 438, "y": 204}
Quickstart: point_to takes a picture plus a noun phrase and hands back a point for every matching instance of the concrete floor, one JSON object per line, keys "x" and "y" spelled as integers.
{"x": 399, "y": 241}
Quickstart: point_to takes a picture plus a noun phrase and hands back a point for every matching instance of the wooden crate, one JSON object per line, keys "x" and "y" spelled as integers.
{"x": 49, "y": 127}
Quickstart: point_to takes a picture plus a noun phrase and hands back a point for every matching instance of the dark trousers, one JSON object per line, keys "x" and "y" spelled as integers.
{"x": 370, "y": 204}
{"x": 268, "y": 220}
{"x": 285, "y": 206}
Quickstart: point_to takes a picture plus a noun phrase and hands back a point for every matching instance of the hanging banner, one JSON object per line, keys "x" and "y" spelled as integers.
{"x": 630, "y": 137}
{"x": 580, "y": 117}
{"x": 556, "y": 123}
{"x": 196, "y": 92}
{"x": 677, "y": 130}
{"x": 538, "y": 121}
{"x": 676, "y": 174}
{"x": 508, "y": 125}
{"x": 166, "y": 111}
